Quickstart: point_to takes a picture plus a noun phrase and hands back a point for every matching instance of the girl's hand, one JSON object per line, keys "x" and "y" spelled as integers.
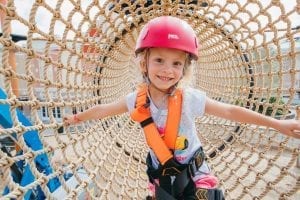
{"x": 289, "y": 127}
{"x": 70, "y": 120}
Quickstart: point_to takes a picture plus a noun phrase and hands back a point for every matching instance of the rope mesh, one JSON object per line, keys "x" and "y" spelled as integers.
{"x": 79, "y": 53}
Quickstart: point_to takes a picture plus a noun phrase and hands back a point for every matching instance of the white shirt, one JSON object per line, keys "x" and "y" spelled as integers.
{"x": 193, "y": 106}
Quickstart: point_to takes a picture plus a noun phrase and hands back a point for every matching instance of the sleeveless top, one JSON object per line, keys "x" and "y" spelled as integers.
{"x": 193, "y": 105}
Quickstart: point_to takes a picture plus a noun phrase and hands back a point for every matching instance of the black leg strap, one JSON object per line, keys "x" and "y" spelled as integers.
{"x": 181, "y": 182}
{"x": 164, "y": 189}
{"x": 161, "y": 194}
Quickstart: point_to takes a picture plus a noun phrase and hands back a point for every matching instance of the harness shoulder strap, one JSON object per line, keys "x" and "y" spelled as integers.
{"x": 142, "y": 114}
{"x": 173, "y": 119}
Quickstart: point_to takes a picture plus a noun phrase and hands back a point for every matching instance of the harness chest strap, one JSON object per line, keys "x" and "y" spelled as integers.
{"x": 160, "y": 146}
{"x": 156, "y": 143}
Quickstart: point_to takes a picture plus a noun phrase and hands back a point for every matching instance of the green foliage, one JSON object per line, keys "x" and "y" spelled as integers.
{"x": 269, "y": 109}
{"x": 239, "y": 103}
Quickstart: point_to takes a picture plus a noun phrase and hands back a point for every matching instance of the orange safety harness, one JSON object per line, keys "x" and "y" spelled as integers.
{"x": 163, "y": 147}
{"x": 160, "y": 145}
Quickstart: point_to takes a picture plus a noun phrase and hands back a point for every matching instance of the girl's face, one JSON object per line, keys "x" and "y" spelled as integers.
{"x": 165, "y": 67}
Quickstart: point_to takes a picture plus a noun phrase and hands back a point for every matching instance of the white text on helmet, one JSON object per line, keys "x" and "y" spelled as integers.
{"x": 173, "y": 36}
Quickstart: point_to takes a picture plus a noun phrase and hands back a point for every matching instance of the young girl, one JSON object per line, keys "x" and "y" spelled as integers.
{"x": 166, "y": 47}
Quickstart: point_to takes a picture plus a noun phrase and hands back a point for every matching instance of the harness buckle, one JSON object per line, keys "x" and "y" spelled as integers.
{"x": 201, "y": 194}
{"x": 208, "y": 194}
{"x": 196, "y": 161}
{"x": 170, "y": 171}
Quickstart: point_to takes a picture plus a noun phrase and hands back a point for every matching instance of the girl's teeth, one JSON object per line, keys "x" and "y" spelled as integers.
{"x": 164, "y": 78}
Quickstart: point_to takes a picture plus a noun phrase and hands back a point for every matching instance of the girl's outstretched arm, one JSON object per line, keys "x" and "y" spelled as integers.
{"x": 243, "y": 115}
{"x": 98, "y": 112}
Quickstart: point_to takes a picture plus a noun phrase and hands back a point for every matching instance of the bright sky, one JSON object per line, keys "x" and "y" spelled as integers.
{"x": 43, "y": 17}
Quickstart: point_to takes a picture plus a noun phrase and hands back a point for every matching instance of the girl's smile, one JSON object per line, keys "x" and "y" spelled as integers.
{"x": 163, "y": 78}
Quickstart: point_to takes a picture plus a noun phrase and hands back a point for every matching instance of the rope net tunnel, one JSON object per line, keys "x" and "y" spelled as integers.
{"x": 74, "y": 54}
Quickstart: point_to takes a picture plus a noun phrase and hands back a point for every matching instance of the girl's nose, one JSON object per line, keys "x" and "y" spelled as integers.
{"x": 167, "y": 67}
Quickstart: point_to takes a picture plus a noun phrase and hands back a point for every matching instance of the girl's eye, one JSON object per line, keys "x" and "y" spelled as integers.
{"x": 177, "y": 64}
{"x": 158, "y": 60}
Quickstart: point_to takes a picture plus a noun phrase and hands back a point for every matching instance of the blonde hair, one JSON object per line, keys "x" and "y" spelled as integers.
{"x": 187, "y": 78}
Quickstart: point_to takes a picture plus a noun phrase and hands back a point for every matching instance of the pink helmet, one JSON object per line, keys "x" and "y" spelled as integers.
{"x": 168, "y": 32}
